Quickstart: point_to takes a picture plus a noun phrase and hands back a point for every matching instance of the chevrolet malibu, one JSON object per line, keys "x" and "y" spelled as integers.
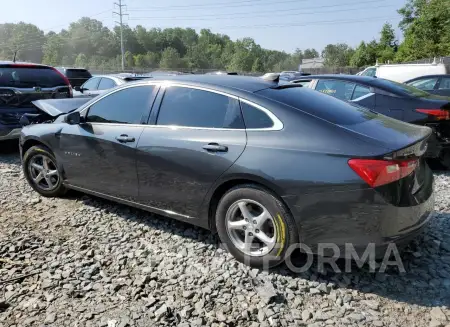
{"x": 265, "y": 165}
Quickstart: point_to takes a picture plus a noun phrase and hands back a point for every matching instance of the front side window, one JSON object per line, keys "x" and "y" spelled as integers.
{"x": 338, "y": 89}
{"x": 106, "y": 83}
{"x": 182, "y": 106}
{"x": 360, "y": 91}
{"x": 445, "y": 83}
{"x": 92, "y": 84}
{"x": 254, "y": 117}
{"x": 427, "y": 84}
{"x": 123, "y": 107}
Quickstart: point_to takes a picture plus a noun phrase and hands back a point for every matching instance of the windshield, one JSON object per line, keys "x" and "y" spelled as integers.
{"x": 402, "y": 88}
{"x": 27, "y": 77}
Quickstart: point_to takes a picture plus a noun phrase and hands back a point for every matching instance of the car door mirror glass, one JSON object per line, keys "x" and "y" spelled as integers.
{"x": 73, "y": 118}
{"x": 77, "y": 88}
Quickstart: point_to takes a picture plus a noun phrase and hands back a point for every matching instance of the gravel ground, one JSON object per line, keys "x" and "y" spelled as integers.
{"x": 91, "y": 262}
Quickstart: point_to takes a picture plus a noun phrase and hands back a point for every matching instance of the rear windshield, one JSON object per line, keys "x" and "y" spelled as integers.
{"x": 78, "y": 73}
{"x": 401, "y": 88}
{"x": 26, "y": 77}
{"x": 320, "y": 105}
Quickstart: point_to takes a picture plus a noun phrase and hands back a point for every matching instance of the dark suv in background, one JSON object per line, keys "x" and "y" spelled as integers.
{"x": 22, "y": 83}
{"x": 76, "y": 76}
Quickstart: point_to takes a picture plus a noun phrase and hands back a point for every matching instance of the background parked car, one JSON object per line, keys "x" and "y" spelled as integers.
{"x": 404, "y": 72}
{"x": 396, "y": 100}
{"x": 264, "y": 164}
{"x": 434, "y": 84}
{"x": 22, "y": 83}
{"x": 76, "y": 76}
{"x": 101, "y": 83}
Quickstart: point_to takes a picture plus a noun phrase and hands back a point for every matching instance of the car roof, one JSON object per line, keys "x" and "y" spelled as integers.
{"x": 5, "y": 62}
{"x": 224, "y": 82}
{"x": 344, "y": 77}
{"x": 427, "y": 76}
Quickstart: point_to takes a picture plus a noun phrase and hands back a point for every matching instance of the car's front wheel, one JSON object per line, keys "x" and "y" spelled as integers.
{"x": 42, "y": 173}
{"x": 255, "y": 226}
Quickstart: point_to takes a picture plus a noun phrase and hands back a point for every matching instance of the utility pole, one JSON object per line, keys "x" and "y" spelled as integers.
{"x": 120, "y": 22}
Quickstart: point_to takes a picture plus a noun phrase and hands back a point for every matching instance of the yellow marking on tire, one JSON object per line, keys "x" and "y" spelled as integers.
{"x": 282, "y": 238}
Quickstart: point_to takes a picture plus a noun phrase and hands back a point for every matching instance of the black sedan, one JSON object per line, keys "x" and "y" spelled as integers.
{"x": 395, "y": 100}
{"x": 434, "y": 84}
{"x": 266, "y": 165}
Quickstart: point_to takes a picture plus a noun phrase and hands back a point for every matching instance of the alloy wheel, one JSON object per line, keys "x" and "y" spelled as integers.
{"x": 43, "y": 172}
{"x": 251, "y": 227}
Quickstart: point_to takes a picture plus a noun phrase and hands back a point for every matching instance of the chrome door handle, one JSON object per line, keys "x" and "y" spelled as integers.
{"x": 125, "y": 138}
{"x": 215, "y": 147}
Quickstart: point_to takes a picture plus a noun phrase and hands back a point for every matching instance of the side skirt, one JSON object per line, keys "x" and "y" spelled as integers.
{"x": 166, "y": 213}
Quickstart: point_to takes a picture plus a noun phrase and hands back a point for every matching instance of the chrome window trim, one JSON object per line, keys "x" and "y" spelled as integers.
{"x": 277, "y": 124}
{"x": 89, "y": 104}
{"x": 363, "y": 97}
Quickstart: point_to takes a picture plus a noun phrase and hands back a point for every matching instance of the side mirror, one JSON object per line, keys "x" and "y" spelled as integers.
{"x": 24, "y": 121}
{"x": 77, "y": 88}
{"x": 73, "y": 118}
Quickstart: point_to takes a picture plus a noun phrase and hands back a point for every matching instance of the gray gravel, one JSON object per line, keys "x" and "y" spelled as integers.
{"x": 91, "y": 262}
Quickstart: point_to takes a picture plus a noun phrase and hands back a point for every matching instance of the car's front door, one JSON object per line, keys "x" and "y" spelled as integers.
{"x": 100, "y": 153}
{"x": 197, "y": 135}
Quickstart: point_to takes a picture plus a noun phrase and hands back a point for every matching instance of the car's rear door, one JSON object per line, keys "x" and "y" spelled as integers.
{"x": 195, "y": 137}
{"x": 443, "y": 87}
{"x": 99, "y": 154}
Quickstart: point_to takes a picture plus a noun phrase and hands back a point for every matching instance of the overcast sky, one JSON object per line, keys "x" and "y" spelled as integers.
{"x": 282, "y": 24}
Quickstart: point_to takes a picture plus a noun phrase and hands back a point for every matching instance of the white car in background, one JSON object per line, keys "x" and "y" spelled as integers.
{"x": 99, "y": 84}
{"x": 404, "y": 72}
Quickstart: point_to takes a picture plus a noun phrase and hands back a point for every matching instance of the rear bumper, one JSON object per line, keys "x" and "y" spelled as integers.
{"x": 10, "y": 133}
{"x": 355, "y": 219}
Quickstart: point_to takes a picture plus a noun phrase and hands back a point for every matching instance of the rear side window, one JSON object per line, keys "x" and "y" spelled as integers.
{"x": 78, "y": 73}
{"x": 339, "y": 89}
{"x": 322, "y": 106}
{"x": 182, "y": 106}
{"x": 254, "y": 117}
{"x": 427, "y": 84}
{"x": 126, "y": 106}
{"x": 445, "y": 83}
{"x": 29, "y": 76}
{"x": 106, "y": 83}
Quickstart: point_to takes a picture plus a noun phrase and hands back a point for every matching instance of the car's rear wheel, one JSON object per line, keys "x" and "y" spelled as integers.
{"x": 42, "y": 173}
{"x": 255, "y": 226}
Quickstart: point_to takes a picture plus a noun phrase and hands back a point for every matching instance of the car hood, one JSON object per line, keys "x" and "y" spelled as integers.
{"x": 57, "y": 107}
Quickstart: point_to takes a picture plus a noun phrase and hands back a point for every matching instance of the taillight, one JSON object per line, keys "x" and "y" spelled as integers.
{"x": 381, "y": 172}
{"x": 66, "y": 80}
{"x": 439, "y": 114}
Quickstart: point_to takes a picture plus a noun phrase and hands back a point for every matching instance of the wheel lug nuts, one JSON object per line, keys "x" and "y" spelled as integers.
{"x": 244, "y": 228}
{"x": 257, "y": 231}
{"x": 246, "y": 219}
{"x": 250, "y": 234}
{"x": 254, "y": 222}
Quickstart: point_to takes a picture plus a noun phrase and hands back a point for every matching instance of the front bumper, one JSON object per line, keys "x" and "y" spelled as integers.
{"x": 10, "y": 133}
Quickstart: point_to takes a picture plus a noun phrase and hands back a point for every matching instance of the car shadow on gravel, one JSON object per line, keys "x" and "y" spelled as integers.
{"x": 425, "y": 282}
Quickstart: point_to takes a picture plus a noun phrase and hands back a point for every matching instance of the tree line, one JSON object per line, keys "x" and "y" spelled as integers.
{"x": 87, "y": 43}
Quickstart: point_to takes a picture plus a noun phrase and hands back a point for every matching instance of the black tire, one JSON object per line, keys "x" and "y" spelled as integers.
{"x": 39, "y": 150}
{"x": 286, "y": 231}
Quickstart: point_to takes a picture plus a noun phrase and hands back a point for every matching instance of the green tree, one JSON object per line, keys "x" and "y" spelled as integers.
{"x": 81, "y": 60}
{"x": 310, "y": 54}
{"x": 426, "y": 26}
{"x": 337, "y": 55}
{"x": 170, "y": 59}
